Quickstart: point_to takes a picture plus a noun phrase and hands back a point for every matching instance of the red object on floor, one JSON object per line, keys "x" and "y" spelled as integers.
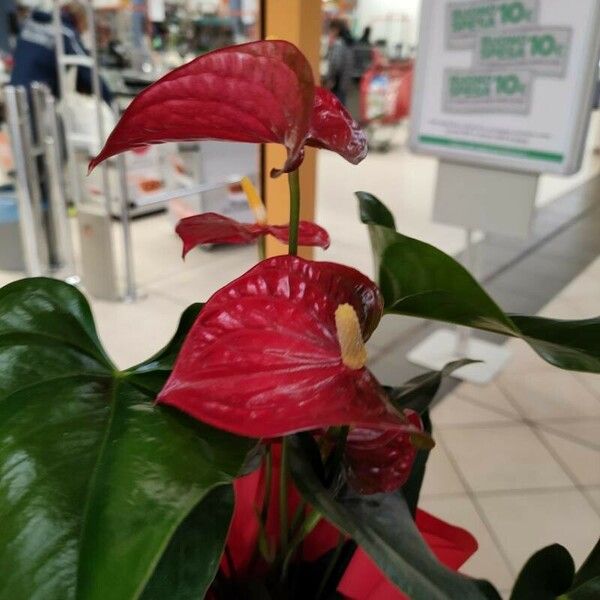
{"x": 363, "y": 580}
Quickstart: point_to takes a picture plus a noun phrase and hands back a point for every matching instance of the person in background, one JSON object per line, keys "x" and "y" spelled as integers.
{"x": 8, "y": 17}
{"x": 35, "y": 54}
{"x": 366, "y": 36}
{"x": 340, "y": 58}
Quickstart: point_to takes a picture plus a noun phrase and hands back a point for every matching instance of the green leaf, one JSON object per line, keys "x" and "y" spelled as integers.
{"x": 384, "y": 528}
{"x": 419, "y": 280}
{"x": 590, "y": 590}
{"x": 95, "y": 480}
{"x": 590, "y": 567}
{"x": 374, "y": 211}
{"x": 412, "y": 488}
{"x": 199, "y": 541}
{"x": 418, "y": 393}
{"x": 546, "y": 575}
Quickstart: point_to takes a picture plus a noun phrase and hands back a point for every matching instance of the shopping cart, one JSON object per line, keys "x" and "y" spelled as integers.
{"x": 385, "y": 90}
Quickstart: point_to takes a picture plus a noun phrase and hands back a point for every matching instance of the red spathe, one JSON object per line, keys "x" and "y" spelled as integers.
{"x": 263, "y": 358}
{"x": 258, "y": 92}
{"x": 212, "y": 228}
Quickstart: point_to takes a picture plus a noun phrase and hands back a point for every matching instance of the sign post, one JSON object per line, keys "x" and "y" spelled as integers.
{"x": 503, "y": 92}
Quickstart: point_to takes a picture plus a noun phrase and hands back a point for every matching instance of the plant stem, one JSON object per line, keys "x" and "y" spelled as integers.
{"x": 268, "y": 478}
{"x": 297, "y": 517}
{"x": 262, "y": 248}
{"x": 335, "y": 459}
{"x": 294, "y": 183}
{"x": 330, "y": 567}
{"x": 283, "y": 497}
{"x": 312, "y": 520}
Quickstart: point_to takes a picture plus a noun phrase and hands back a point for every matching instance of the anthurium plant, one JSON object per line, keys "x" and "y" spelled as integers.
{"x": 255, "y": 456}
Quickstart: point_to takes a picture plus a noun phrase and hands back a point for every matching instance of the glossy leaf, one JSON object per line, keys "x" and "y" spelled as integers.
{"x": 212, "y": 228}
{"x": 418, "y": 393}
{"x": 263, "y": 359}
{"x": 590, "y": 567}
{"x": 333, "y": 128}
{"x": 411, "y": 490}
{"x": 419, "y": 280}
{"x": 193, "y": 554}
{"x": 258, "y": 92}
{"x": 384, "y": 528}
{"x": 546, "y": 575}
{"x": 95, "y": 479}
{"x": 590, "y": 590}
{"x": 380, "y": 461}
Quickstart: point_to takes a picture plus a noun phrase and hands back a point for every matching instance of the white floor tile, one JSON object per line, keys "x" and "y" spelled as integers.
{"x": 489, "y": 396}
{"x": 591, "y": 381}
{"x": 503, "y": 458}
{"x": 594, "y": 494}
{"x": 487, "y": 562}
{"x": 544, "y": 392}
{"x": 132, "y": 333}
{"x": 588, "y": 431}
{"x": 581, "y": 461}
{"x": 526, "y": 522}
{"x": 440, "y": 476}
{"x": 454, "y": 411}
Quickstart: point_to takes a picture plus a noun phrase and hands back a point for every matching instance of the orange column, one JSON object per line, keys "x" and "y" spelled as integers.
{"x": 299, "y": 22}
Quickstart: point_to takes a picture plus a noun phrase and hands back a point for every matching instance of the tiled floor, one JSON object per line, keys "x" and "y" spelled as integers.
{"x": 517, "y": 461}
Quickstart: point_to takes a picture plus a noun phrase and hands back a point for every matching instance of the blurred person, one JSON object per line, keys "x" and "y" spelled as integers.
{"x": 35, "y": 53}
{"x": 366, "y": 36}
{"x": 8, "y": 24}
{"x": 340, "y": 59}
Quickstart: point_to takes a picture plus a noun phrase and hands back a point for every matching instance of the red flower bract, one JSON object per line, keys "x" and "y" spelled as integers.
{"x": 257, "y": 92}
{"x": 380, "y": 461}
{"x": 333, "y": 128}
{"x": 263, "y": 358}
{"x": 212, "y": 228}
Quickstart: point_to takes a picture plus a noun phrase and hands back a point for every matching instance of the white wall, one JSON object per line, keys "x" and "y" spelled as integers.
{"x": 384, "y": 18}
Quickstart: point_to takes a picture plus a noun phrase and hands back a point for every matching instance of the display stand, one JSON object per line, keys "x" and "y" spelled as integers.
{"x": 488, "y": 200}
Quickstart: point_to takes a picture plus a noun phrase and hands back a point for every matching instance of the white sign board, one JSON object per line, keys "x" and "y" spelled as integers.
{"x": 506, "y": 83}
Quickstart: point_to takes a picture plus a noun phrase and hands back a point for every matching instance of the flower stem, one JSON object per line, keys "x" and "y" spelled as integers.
{"x": 332, "y": 562}
{"x": 268, "y": 466}
{"x": 334, "y": 461}
{"x": 294, "y": 183}
{"x": 312, "y": 520}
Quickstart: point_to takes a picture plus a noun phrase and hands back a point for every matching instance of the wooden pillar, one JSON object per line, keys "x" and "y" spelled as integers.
{"x": 299, "y": 22}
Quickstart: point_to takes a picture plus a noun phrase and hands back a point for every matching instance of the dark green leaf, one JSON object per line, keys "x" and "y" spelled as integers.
{"x": 94, "y": 478}
{"x": 546, "y": 575}
{"x": 418, "y": 393}
{"x": 412, "y": 488}
{"x": 383, "y": 526}
{"x": 419, "y": 280}
{"x": 590, "y": 567}
{"x": 198, "y": 541}
{"x": 374, "y": 211}
{"x": 590, "y": 590}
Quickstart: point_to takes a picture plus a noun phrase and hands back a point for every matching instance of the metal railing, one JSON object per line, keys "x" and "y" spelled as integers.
{"x": 43, "y": 221}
